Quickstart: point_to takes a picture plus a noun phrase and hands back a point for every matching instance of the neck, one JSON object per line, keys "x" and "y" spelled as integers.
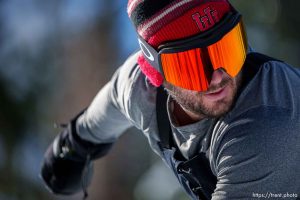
{"x": 183, "y": 116}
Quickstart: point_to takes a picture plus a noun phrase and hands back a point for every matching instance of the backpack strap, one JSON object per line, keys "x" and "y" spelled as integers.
{"x": 199, "y": 175}
{"x": 164, "y": 127}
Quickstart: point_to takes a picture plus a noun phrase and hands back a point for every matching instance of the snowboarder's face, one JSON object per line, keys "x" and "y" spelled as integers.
{"x": 214, "y": 102}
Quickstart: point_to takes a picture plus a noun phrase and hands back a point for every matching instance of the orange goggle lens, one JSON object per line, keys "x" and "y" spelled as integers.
{"x": 192, "y": 69}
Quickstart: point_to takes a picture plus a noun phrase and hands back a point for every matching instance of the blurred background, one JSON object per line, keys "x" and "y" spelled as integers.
{"x": 55, "y": 56}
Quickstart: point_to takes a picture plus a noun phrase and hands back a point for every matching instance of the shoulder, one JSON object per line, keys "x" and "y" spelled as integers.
{"x": 128, "y": 72}
{"x": 133, "y": 93}
{"x": 277, "y": 70}
{"x": 264, "y": 63}
{"x": 275, "y": 83}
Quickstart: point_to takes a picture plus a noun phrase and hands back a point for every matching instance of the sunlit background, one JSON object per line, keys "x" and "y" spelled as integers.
{"x": 55, "y": 56}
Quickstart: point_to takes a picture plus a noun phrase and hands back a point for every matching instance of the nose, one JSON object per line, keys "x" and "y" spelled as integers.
{"x": 217, "y": 76}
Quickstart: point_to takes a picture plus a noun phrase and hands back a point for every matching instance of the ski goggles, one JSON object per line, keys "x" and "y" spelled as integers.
{"x": 190, "y": 63}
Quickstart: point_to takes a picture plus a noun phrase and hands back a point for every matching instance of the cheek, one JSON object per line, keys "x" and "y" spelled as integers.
{"x": 185, "y": 97}
{"x": 194, "y": 100}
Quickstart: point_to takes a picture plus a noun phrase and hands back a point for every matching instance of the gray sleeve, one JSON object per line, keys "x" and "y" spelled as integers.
{"x": 258, "y": 156}
{"x": 108, "y": 116}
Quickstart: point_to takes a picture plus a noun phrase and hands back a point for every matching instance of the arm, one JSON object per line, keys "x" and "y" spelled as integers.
{"x": 67, "y": 159}
{"x": 90, "y": 134}
{"x": 258, "y": 154}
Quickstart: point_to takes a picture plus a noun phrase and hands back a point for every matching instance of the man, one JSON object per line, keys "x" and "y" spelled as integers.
{"x": 234, "y": 115}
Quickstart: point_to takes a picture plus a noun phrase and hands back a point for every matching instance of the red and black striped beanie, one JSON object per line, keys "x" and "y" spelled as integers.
{"x": 158, "y": 21}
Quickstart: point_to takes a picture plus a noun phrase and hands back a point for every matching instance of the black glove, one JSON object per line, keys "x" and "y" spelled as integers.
{"x": 68, "y": 159}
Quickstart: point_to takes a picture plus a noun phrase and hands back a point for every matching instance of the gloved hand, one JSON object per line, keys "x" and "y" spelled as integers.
{"x": 67, "y": 162}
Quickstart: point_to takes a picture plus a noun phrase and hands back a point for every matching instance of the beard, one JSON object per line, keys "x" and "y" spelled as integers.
{"x": 196, "y": 103}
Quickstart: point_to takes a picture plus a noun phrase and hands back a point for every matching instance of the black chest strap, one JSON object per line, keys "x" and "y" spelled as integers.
{"x": 164, "y": 128}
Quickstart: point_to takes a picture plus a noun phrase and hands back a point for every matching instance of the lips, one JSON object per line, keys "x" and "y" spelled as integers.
{"x": 217, "y": 94}
{"x": 215, "y": 91}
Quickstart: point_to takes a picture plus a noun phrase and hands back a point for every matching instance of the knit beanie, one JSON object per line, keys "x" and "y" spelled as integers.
{"x": 159, "y": 21}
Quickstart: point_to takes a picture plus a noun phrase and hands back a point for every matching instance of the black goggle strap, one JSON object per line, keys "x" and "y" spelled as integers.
{"x": 150, "y": 54}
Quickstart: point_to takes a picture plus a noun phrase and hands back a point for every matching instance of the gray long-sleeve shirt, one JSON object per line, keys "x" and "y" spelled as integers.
{"x": 254, "y": 150}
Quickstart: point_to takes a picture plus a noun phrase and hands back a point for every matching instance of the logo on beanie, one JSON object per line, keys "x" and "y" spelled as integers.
{"x": 207, "y": 19}
{"x": 146, "y": 51}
